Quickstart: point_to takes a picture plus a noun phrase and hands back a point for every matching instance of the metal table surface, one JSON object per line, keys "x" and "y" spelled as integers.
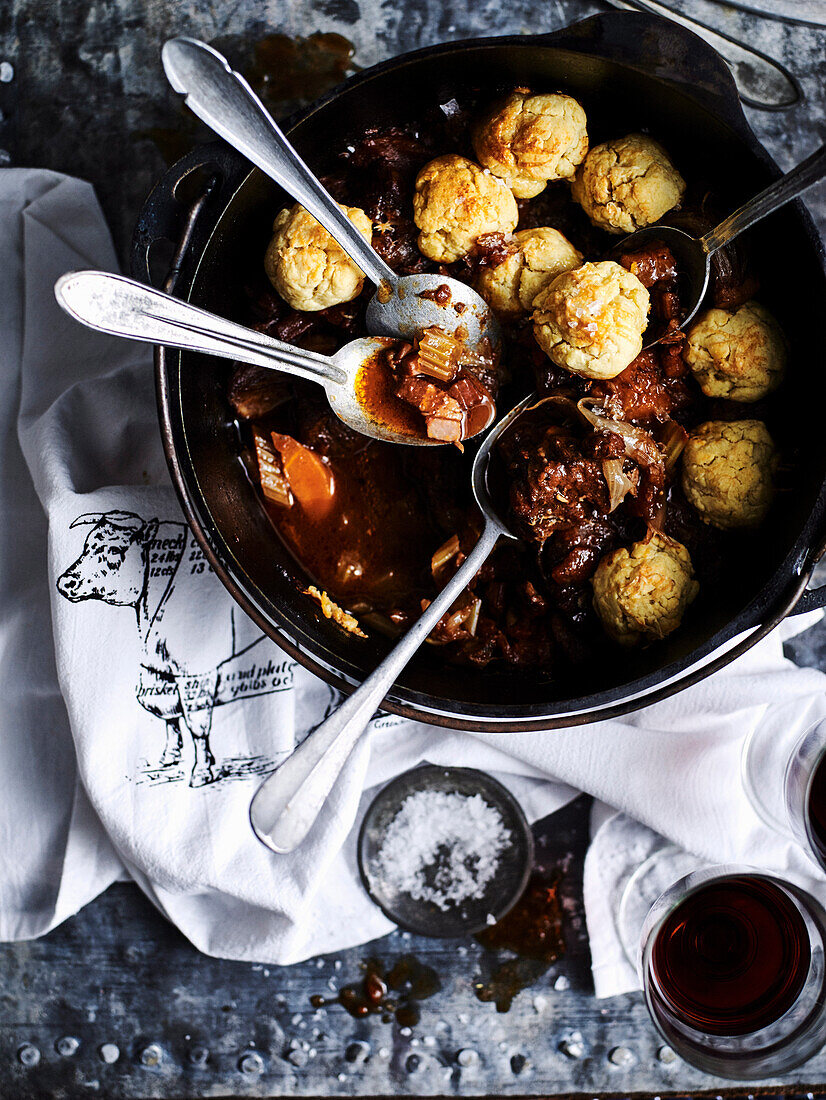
{"x": 81, "y": 91}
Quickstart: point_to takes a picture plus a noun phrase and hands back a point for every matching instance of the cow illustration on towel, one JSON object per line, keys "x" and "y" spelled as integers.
{"x": 154, "y": 566}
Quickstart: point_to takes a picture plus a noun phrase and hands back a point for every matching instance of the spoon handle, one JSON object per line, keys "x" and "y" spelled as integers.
{"x": 123, "y": 307}
{"x": 223, "y": 100}
{"x": 780, "y": 192}
{"x": 286, "y": 805}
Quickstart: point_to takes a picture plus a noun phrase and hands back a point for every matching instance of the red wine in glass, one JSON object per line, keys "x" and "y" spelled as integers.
{"x": 732, "y": 957}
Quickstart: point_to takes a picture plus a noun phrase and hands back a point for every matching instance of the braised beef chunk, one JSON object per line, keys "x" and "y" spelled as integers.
{"x": 440, "y": 294}
{"x": 651, "y": 264}
{"x": 255, "y": 392}
{"x": 443, "y": 416}
{"x": 644, "y": 391}
{"x": 435, "y": 375}
{"x": 555, "y": 482}
{"x": 383, "y": 167}
{"x": 290, "y": 327}
{"x": 572, "y": 556}
{"x": 491, "y": 250}
{"x": 396, "y": 149}
{"x": 649, "y": 501}
{"x": 656, "y": 269}
{"x": 475, "y": 400}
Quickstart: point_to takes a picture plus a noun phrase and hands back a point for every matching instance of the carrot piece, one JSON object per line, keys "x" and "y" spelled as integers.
{"x": 309, "y": 477}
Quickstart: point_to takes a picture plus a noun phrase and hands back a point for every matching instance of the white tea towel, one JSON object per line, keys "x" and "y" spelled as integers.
{"x": 178, "y": 705}
{"x": 54, "y": 856}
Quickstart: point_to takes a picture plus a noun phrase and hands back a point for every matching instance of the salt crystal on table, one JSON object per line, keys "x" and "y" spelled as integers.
{"x": 442, "y": 847}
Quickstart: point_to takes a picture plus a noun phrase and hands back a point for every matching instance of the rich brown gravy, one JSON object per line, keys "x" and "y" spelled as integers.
{"x": 373, "y": 545}
{"x": 396, "y": 389}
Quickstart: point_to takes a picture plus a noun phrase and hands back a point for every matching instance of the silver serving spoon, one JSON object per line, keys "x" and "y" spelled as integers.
{"x": 123, "y": 307}
{"x": 286, "y": 804}
{"x": 693, "y": 254}
{"x": 227, "y": 104}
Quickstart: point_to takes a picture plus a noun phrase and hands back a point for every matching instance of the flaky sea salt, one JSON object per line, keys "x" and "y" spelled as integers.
{"x": 442, "y": 847}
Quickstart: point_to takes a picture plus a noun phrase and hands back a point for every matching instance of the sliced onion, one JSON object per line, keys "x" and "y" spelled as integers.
{"x": 654, "y": 528}
{"x": 458, "y": 623}
{"x": 564, "y": 403}
{"x": 618, "y": 481}
{"x": 446, "y": 552}
{"x": 674, "y": 441}
{"x": 473, "y": 617}
{"x": 274, "y": 484}
{"x": 639, "y": 444}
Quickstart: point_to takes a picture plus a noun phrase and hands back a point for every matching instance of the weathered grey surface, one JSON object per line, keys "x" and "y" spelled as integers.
{"x": 87, "y": 86}
{"x": 118, "y": 975}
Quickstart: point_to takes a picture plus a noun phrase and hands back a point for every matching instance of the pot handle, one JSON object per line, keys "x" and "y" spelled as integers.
{"x": 205, "y": 177}
{"x": 671, "y": 53}
{"x": 812, "y": 599}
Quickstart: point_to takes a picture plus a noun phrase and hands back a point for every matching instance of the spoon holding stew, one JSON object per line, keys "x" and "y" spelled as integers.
{"x": 287, "y": 804}
{"x": 402, "y": 305}
{"x": 692, "y": 255}
{"x": 456, "y": 405}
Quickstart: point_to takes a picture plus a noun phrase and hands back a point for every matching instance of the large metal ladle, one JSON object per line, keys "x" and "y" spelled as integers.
{"x": 223, "y": 100}
{"x": 287, "y": 804}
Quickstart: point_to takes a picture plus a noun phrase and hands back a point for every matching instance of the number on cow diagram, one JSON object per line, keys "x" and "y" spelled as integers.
{"x": 154, "y": 567}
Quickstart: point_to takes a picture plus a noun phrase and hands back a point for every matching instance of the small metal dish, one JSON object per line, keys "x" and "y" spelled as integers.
{"x": 424, "y": 917}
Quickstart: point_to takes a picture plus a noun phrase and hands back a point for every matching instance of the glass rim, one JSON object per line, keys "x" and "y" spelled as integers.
{"x": 676, "y": 894}
{"x": 815, "y": 763}
{"x": 683, "y": 888}
{"x": 783, "y": 1043}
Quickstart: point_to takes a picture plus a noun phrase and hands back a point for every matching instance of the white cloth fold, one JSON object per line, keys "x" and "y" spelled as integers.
{"x": 176, "y": 704}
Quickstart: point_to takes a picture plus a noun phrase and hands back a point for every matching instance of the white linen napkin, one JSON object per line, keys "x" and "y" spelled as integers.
{"x": 178, "y": 705}
{"x": 628, "y": 864}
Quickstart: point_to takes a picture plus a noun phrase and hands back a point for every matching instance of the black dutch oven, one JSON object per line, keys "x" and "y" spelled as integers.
{"x": 630, "y": 72}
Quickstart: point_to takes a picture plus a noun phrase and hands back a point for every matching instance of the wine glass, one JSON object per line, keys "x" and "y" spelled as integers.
{"x": 649, "y": 881}
{"x": 785, "y": 781}
{"x": 732, "y": 967}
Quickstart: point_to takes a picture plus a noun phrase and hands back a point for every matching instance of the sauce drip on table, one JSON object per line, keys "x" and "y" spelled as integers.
{"x": 532, "y": 930}
{"x": 391, "y": 994}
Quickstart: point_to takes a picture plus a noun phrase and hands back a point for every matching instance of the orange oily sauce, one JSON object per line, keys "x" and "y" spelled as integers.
{"x": 376, "y": 393}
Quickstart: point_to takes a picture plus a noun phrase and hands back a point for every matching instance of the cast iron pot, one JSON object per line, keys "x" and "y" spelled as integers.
{"x": 630, "y": 72}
